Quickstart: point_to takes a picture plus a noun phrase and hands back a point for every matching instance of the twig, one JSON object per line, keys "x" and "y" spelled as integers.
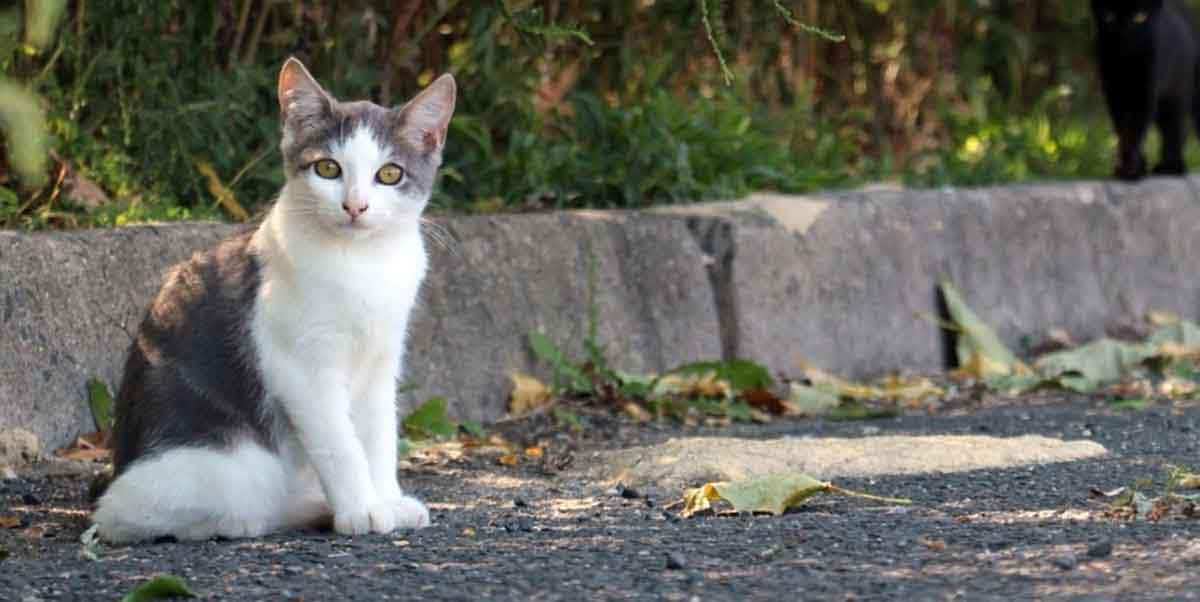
{"x": 243, "y": 18}
{"x": 786, "y": 13}
{"x": 712, "y": 40}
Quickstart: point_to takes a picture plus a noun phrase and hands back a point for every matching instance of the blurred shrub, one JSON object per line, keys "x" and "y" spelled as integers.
{"x": 569, "y": 104}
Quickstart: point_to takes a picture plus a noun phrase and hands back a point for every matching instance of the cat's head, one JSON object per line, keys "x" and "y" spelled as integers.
{"x": 1119, "y": 16}
{"x": 356, "y": 168}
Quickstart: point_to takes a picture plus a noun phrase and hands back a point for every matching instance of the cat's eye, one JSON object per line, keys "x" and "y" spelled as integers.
{"x": 1139, "y": 18}
{"x": 390, "y": 174}
{"x": 327, "y": 168}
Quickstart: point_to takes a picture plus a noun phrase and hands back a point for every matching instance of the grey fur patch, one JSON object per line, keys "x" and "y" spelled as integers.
{"x": 192, "y": 376}
{"x": 312, "y": 133}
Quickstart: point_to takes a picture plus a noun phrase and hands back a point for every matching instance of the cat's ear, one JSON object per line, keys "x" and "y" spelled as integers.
{"x": 299, "y": 93}
{"x": 425, "y": 119}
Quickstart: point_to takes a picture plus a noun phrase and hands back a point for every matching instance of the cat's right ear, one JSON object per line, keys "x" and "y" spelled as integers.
{"x": 299, "y": 93}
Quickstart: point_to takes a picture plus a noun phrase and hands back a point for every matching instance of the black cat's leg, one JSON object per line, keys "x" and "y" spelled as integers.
{"x": 1171, "y": 127}
{"x": 1133, "y": 110}
{"x": 1131, "y": 163}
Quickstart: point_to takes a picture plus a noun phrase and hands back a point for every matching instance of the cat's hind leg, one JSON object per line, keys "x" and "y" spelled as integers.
{"x": 195, "y": 493}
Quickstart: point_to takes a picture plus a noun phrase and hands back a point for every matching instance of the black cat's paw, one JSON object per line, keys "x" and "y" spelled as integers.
{"x": 1170, "y": 168}
{"x": 1130, "y": 172}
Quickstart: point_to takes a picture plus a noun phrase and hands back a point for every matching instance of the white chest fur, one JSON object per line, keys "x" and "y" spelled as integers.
{"x": 336, "y": 304}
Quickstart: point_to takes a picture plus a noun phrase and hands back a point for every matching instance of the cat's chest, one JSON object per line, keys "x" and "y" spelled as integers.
{"x": 352, "y": 300}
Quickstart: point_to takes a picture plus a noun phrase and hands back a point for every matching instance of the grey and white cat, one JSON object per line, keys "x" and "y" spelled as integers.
{"x": 259, "y": 394}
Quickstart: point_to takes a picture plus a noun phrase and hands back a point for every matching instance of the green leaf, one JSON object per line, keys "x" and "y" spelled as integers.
{"x": 1184, "y": 332}
{"x": 101, "y": 403}
{"x": 857, "y": 410}
{"x": 161, "y": 587}
{"x": 565, "y": 373}
{"x": 811, "y": 401}
{"x": 429, "y": 421}
{"x": 473, "y": 428}
{"x": 741, "y": 374}
{"x": 563, "y": 416}
{"x": 1101, "y": 361}
{"x": 1129, "y": 404}
{"x": 976, "y": 344}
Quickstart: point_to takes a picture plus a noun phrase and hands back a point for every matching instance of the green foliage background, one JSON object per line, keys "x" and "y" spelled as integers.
{"x": 567, "y": 103}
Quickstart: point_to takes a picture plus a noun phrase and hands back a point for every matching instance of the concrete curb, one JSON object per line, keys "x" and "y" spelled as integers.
{"x": 835, "y": 279}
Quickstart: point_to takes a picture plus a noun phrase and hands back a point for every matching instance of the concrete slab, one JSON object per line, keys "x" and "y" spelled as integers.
{"x": 692, "y": 461}
{"x": 504, "y": 277}
{"x": 844, "y": 280}
{"x": 69, "y": 302}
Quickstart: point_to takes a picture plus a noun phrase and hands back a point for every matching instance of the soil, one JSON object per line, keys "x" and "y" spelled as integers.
{"x": 540, "y": 531}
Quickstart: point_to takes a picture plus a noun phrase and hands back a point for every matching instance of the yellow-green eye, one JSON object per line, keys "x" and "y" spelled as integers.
{"x": 327, "y": 168}
{"x": 390, "y": 174}
{"x": 1139, "y": 18}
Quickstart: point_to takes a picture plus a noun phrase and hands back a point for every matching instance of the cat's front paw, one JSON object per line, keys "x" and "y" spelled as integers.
{"x": 410, "y": 512}
{"x": 374, "y": 518}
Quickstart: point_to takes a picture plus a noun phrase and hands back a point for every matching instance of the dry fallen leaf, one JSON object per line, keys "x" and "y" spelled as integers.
{"x": 9, "y": 522}
{"x": 528, "y": 394}
{"x": 937, "y": 545}
{"x": 533, "y": 451}
{"x": 772, "y": 494}
{"x": 90, "y": 447}
{"x": 637, "y": 412}
{"x": 508, "y": 459}
{"x": 694, "y": 385}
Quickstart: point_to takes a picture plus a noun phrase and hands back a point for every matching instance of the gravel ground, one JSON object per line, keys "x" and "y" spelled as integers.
{"x": 522, "y": 533}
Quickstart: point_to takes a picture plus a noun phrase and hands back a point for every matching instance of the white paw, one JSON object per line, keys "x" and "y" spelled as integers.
{"x": 373, "y": 518}
{"x": 410, "y": 512}
{"x": 239, "y": 527}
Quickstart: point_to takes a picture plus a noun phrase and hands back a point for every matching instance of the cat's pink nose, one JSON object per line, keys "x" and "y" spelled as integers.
{"x": 354, "y": 208}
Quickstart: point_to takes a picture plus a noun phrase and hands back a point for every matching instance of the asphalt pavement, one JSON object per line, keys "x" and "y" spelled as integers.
{"x": 534, "y": 532}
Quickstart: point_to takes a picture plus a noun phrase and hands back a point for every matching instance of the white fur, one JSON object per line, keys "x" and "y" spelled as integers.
{"x": 328, "y": 327}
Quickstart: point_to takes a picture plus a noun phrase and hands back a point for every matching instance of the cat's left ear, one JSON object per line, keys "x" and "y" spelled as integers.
{"x": 425, "y": 119}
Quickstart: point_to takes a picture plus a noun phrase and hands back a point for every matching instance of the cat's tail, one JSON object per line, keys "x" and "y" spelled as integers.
{"x": 197, "y": 493}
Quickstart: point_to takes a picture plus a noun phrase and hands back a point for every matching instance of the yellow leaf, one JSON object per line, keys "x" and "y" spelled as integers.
{"x": 8, "y": 522}
{"x": 528, "y": 394}
{"x": 533, "y": 451}
{"x": 1187, "y": 480}
{"x": 1161, "y": 318}
{"x": 695, "y": 385}
{"x": 637, "y": 412}
{"x": 772, "y": 494}
{"x": 508, "y": 459}
{"x": 221, "y": 192}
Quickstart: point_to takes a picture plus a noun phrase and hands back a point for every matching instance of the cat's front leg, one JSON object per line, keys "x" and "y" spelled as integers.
{"x": 378, "y": 428}
{"x": 318, "y": 405}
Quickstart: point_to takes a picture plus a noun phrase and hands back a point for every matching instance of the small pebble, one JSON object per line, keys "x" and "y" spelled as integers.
{"x": 520, "y": 503}
{"x": 1065, "y": 562}
{"x": 293, "y": 569}
{"x": 1102, "y": 549}
{"x": 649, "y": 502}
{"x": 676, "y": 561}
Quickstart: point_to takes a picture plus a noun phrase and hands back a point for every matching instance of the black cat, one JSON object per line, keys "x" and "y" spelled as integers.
{"x": 1148, "y": 52}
